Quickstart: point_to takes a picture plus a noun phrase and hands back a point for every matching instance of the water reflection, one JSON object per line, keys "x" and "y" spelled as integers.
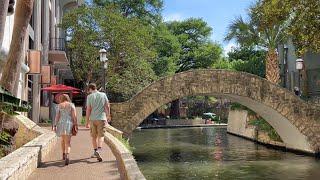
{"x": 210, "y": 153}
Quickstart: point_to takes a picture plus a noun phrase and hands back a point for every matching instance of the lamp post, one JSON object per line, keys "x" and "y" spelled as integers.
{"x": 104, "y": 60}
{"x": 299, "y": 67}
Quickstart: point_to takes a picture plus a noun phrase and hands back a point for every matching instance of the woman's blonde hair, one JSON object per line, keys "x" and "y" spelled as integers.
{"x": 64, "y": 98}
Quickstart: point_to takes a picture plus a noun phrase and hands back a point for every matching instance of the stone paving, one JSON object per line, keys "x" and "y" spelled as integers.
{"x": 81, "y": 165}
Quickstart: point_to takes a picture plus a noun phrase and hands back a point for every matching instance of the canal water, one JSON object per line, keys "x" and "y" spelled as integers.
{"x": 211, "y": 153}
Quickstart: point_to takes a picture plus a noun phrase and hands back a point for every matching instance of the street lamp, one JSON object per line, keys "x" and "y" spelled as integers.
{"x": 299, "y": 67}
{"x": 104, "y": 60}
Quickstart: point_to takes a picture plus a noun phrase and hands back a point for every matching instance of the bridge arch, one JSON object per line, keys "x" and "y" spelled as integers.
{"x": 296, "y": 122}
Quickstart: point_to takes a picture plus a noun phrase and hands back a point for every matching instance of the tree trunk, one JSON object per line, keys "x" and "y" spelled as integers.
{"x": 175, "y": 109}
{"x": 272, "y": 67}
{"x": 21, "y": 21}
{"x": 3, "y": 15}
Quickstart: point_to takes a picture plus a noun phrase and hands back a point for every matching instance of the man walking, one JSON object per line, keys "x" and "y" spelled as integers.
{"x": 98, "y": 109}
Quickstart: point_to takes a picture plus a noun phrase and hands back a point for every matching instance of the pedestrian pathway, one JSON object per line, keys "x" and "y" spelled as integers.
{"x": 81, "y": 165}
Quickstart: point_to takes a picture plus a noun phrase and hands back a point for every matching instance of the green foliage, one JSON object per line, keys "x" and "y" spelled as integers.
{"x": 5, "y": 138}
{"x": 244, "y": 33}
{"x": 301, "y": 17}
{"x": 245, "y": 60}
{"x": 140, "y": 48}
{"x": 197, "y": 49}
{"x": 5, "y": 143}
{"x": 126, "y": 143}
{"x": 223, "y": 64}
{"x": 305, "y": 25}
{"x": 197, "y": 105}
{"x": 263, "y": 125}
{"x": 259, "y": 122}
{"x": 248, "y": 60}
{"x": 261, "y": 30}
{"x": 245, "y": 54}
{"x": 147, "y": 10}
{"x": 237, "y": 106}
{"x": 83, "y": 121}
{"x": 168, "y": 51}
{"x": 129, "y": 43}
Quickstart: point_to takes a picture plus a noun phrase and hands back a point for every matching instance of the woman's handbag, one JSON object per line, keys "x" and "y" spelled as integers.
{"x": 74, "y": 130}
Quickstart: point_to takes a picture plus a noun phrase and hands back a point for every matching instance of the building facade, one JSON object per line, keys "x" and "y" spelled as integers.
{"x": 308, "y": 79}
{"x": 45, "y": 36}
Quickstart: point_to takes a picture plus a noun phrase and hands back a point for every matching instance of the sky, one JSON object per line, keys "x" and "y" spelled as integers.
{"x": 217, "y": 13}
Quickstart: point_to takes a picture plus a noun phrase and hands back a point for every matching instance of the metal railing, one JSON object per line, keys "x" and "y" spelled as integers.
{"x": 58, "y": 44}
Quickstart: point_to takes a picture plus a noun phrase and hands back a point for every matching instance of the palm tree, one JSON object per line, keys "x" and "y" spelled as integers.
{"x": 254, "y": 33}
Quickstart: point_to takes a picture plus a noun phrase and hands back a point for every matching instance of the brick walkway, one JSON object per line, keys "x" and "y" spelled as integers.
{"x": 81, "y": 165}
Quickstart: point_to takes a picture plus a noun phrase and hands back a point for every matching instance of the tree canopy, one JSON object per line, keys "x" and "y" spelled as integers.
{"x": 139, "y": 50}
{"x": 197, "y": 49}
{"x": 300, "y": 19}
{"x": 148, "y": 10}
{"x": 129, "y": 45}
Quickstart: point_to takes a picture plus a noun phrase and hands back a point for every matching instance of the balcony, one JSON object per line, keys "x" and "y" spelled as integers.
{"x": 57, "y": 51}
{"x": 57, "y": 44}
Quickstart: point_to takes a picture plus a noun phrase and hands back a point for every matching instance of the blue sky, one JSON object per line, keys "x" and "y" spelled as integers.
{"x": 217, "y": 13}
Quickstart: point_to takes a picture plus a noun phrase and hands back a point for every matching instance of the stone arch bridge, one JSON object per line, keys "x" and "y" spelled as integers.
{"x": 297, "y": 122}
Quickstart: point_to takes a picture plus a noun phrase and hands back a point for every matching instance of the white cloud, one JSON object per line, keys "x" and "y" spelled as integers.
{"x": 227, "y": 48}
{"x": 173, "y": 17}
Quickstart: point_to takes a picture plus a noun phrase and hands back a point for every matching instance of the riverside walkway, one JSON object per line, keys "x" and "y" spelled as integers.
{"x": 81, "y": 165}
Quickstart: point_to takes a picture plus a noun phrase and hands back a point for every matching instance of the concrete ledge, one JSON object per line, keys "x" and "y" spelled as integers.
{"x": 277, "y": 146}
{"x": 23, "y": 161}
{"x": 127, "y": 165}
{"x": 113, "y": 131}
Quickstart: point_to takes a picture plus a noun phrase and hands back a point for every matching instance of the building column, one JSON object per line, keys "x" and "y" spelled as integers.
{"x": 36, "y": 78}
{"x": 46, "y": 29}
{"x": 54, "y": 42}
{"x": 45, "y": 39}
{"x": 57, "y": 19}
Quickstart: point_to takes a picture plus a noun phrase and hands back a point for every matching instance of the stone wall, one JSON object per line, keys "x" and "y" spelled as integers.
{"x": 296, "y": 122}
{"x": 238, "y": 125}
{"x": 23, "y": 161}
{"x": 184, "y": 122}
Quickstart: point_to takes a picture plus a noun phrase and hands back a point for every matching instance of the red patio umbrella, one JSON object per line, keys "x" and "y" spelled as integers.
{"x": 60, "y": 88}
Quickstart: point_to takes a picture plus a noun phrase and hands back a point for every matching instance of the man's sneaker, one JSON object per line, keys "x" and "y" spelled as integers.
{"x": 98, "y": 156}
{"x": 93, "y": 155}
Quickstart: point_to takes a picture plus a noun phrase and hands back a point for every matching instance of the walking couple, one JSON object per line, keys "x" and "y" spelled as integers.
{"x": 97, "y": 117}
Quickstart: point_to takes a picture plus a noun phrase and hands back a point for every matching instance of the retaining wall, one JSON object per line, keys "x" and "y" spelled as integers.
{"x": 22, "y": 162}
{"x": 238, "y": 125}
{"x": 127, "y": 165}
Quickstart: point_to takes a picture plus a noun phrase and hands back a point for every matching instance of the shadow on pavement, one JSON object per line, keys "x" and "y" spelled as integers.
{"x": 60, "y": 163}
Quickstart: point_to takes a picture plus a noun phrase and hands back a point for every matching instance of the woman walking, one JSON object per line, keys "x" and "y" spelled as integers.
{"x": 66, "y": 123}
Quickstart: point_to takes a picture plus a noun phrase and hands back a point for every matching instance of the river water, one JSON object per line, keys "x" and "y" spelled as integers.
{"x": 211, "y": 153}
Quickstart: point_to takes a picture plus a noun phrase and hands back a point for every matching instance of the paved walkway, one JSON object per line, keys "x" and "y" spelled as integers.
{"x": 81, "y": 165}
